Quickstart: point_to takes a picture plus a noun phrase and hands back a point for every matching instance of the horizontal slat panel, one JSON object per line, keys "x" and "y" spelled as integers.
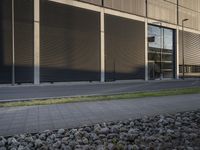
{"x": 125, "y": 48}
{"x": 5, "y": 41}
{"x": 191, "y": 48}
{"x": 131, "y": 6}
{"x": 70, "y": 43}
{"x": 24, "y": 38}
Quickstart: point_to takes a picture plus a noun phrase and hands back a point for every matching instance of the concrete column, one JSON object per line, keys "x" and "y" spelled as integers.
{"x": 177, "y": 54}
{"x": 146, "y": 50}
{"x": 36, "y": 41}
{"x": 102, "y": 46}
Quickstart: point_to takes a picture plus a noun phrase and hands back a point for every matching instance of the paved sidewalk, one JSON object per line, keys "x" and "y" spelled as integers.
{"x": 38, "y": 118}
{"x": 25, "y": 92}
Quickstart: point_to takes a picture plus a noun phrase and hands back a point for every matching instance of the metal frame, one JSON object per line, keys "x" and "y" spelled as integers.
{"x": 102, "y": 12}
{"x": 183, "y": 51}
{"x": 161, "y": 44}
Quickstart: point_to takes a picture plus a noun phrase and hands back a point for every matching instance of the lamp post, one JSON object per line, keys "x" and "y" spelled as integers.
{"x": 13, "y": 43}
{"x": 183, "y": 59}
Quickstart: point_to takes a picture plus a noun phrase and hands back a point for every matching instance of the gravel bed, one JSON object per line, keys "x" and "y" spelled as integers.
{"x": 170, "y": 131}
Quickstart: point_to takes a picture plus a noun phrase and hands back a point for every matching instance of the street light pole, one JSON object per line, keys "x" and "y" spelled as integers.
{"x": 183, "y": 51}
{"x": 13, "y": 43}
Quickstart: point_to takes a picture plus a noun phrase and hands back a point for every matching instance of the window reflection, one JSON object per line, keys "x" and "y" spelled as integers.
{"x": 168, "y": 39}
{"x": 156, "y": 32}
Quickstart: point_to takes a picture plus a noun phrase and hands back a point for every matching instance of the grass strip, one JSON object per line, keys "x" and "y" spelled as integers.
{"x": 181, "y": 91}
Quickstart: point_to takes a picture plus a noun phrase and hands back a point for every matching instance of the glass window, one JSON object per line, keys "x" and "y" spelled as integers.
{"x": 156, "y": 33}
{"x": 168, "y": 39}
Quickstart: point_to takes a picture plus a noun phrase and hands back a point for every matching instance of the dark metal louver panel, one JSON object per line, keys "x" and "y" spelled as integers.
{"x": 191, "y": 48}
{"x": 125, "y": 48}
{"x": 24, "y": 40}
{"x": 5, "y": 41}
{"x": 136, "y": 7}
{"x": 70, "y": 43}
{"x": 191, "y": 54}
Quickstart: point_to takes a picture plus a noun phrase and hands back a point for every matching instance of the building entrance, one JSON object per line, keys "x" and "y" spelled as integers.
{"x": 161, "y": 53}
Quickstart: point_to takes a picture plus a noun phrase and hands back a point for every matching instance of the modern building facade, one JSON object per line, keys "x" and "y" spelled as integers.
{"x": 98, "y": 40}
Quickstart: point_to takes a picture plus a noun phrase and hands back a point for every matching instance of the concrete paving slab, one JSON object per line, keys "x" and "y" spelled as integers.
{"x": 78, "y": 114}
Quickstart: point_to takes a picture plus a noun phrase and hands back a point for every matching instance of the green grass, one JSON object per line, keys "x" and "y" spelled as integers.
{"x": 181, "y": 91}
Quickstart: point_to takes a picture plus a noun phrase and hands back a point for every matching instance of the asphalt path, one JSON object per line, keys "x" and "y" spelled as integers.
{"x": 44, "y": 91}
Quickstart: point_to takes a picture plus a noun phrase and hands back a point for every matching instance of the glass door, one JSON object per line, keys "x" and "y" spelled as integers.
{"x": 160, "y": 53}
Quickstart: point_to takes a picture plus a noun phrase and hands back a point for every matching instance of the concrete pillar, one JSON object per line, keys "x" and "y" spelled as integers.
{"x": 177, "y": 54}
{"x": 36, "y": 41}
{"x": 146, "y": 50}
{"x": 102, "y": 46}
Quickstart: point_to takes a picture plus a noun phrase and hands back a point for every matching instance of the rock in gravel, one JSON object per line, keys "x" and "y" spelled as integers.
{"x": 65, "y": 140}
{"x": 189, "y": 148}
{"x": 104, "y": 130}
{"x": 44, "y": 147}
{"x": 21, "y": 147}
{"x": 135, "y": 147}
{"x": 42, "y": 136}
{"x": 47, "y": 132}
{"x": 97, "y": 128}
{"x": 133, "y": 131}
{"x": 177, "y": 123}
{"x": 85, "y": 141}
{"x": 61, "y": 131}
{"x": 100, "y": 147}
{"x": 111, "y": 146}
{"x": 2, "y": 141}
{"x": 57, "y": 145}
{"x": 94, "y": 136}
{"x": 38, "y": 143}
{"x": 12, "y": 141}
{"x": 115, "y": 129}
{"x": 29, "y": 139}
{"x": 88, "y": 129}
{"x": 72, "y": 144}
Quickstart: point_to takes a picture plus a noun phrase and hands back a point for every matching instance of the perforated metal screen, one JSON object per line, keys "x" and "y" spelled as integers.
{"x": 5, "y": 41}
{"x": 70, "y": 43}
{"x": 191, "y": 54}
{"x": 125, "y": 48}
{"x": 24, "y": 41}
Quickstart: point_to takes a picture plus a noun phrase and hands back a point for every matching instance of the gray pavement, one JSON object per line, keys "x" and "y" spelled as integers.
{"x": 38, "y": 118}
{"x": 28, "y": 92}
